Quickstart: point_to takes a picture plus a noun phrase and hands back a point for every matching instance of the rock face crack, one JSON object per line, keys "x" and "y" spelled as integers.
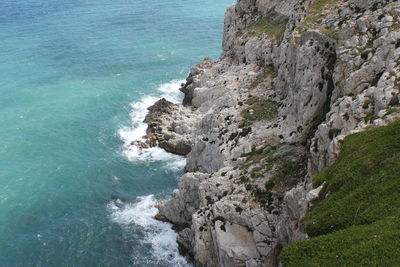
{"x": 259, "y": 123}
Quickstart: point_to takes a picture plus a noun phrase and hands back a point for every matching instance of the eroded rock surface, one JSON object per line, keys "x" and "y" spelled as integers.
{"x": 293, "y": 80}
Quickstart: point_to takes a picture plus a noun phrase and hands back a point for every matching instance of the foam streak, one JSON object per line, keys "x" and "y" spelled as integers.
{"x": 159, "y": 235}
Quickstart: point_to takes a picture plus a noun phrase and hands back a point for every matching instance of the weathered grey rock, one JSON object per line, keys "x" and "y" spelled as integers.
{"x": 252, "y": 263}
{"x": 184, "y": 241}
{"x": 235, "y": 244}
{"x": 192, "y": 82}
{"x": 249, "y": 172}
{"x": 168, "y": 127}
{"x": 185, "y": 200}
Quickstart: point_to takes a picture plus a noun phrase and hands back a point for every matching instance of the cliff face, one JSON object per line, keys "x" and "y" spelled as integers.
{"x": 295, "y": 77}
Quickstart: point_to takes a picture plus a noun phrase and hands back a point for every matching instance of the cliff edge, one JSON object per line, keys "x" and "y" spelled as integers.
{"x": 294, "y": 79}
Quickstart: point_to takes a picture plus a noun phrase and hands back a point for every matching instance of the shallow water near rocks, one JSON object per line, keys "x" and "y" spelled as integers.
{"x": 76, "y": 78}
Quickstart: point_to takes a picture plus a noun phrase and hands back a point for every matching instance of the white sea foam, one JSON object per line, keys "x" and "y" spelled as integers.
{"x": 158, "y": 234}
{"x": 140, "y": 215}
{"x": 137, "y": 130}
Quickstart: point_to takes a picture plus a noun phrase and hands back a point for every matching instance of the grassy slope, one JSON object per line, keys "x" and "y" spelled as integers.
{"x": 358, "y": 224}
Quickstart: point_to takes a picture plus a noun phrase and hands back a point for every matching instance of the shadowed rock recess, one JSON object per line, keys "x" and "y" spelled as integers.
{"x": 294, "y": 79}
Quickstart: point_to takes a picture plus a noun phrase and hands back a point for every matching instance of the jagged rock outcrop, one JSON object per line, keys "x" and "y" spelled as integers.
{"x": 169, "y": 127}
{"x": 295, "y": 77}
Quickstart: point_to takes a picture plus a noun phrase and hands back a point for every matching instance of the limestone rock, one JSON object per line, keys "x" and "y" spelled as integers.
{"x": 235, "y": 244}
{"x": 260, "y": 122}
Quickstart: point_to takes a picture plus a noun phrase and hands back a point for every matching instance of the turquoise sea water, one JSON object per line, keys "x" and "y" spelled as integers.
{"x": 76, "y": 77}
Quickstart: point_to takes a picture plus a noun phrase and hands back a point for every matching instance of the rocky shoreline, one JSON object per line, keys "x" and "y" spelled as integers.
{"x": 295, "y": 77}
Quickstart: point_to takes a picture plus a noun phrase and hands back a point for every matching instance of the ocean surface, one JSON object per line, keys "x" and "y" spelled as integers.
{"x": 76, "y": 78}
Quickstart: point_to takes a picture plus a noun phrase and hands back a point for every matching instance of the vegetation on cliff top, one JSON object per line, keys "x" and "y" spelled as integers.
{"x": 273, "y": 25}
{"x": 357, "y": 224}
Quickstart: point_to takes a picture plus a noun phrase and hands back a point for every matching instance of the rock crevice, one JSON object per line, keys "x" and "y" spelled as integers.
{"x": 295, "y": 77}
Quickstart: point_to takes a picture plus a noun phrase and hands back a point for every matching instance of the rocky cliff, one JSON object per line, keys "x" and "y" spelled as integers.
{"x": 295, "y": 77}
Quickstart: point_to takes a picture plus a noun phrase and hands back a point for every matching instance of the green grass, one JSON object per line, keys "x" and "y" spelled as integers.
{"x": 264, "y": 25}
{"x": 370, "y": 117}
{"x": 273, "y": 25}
{"x": 284, "y": 167}
{"x": 288, "y": 174}
{"x": 395, "y": 26}
{"x": 332, "y": 33}
{"x": 370, "y": 245}
{"x": 391, "y": 111}
{"x": 261, "y": 110}
{"x": 358, "y": 223}
{"x": 267, "y": 73}
{"x": 315, "y": 12}
{"x": 315, "y": 15}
